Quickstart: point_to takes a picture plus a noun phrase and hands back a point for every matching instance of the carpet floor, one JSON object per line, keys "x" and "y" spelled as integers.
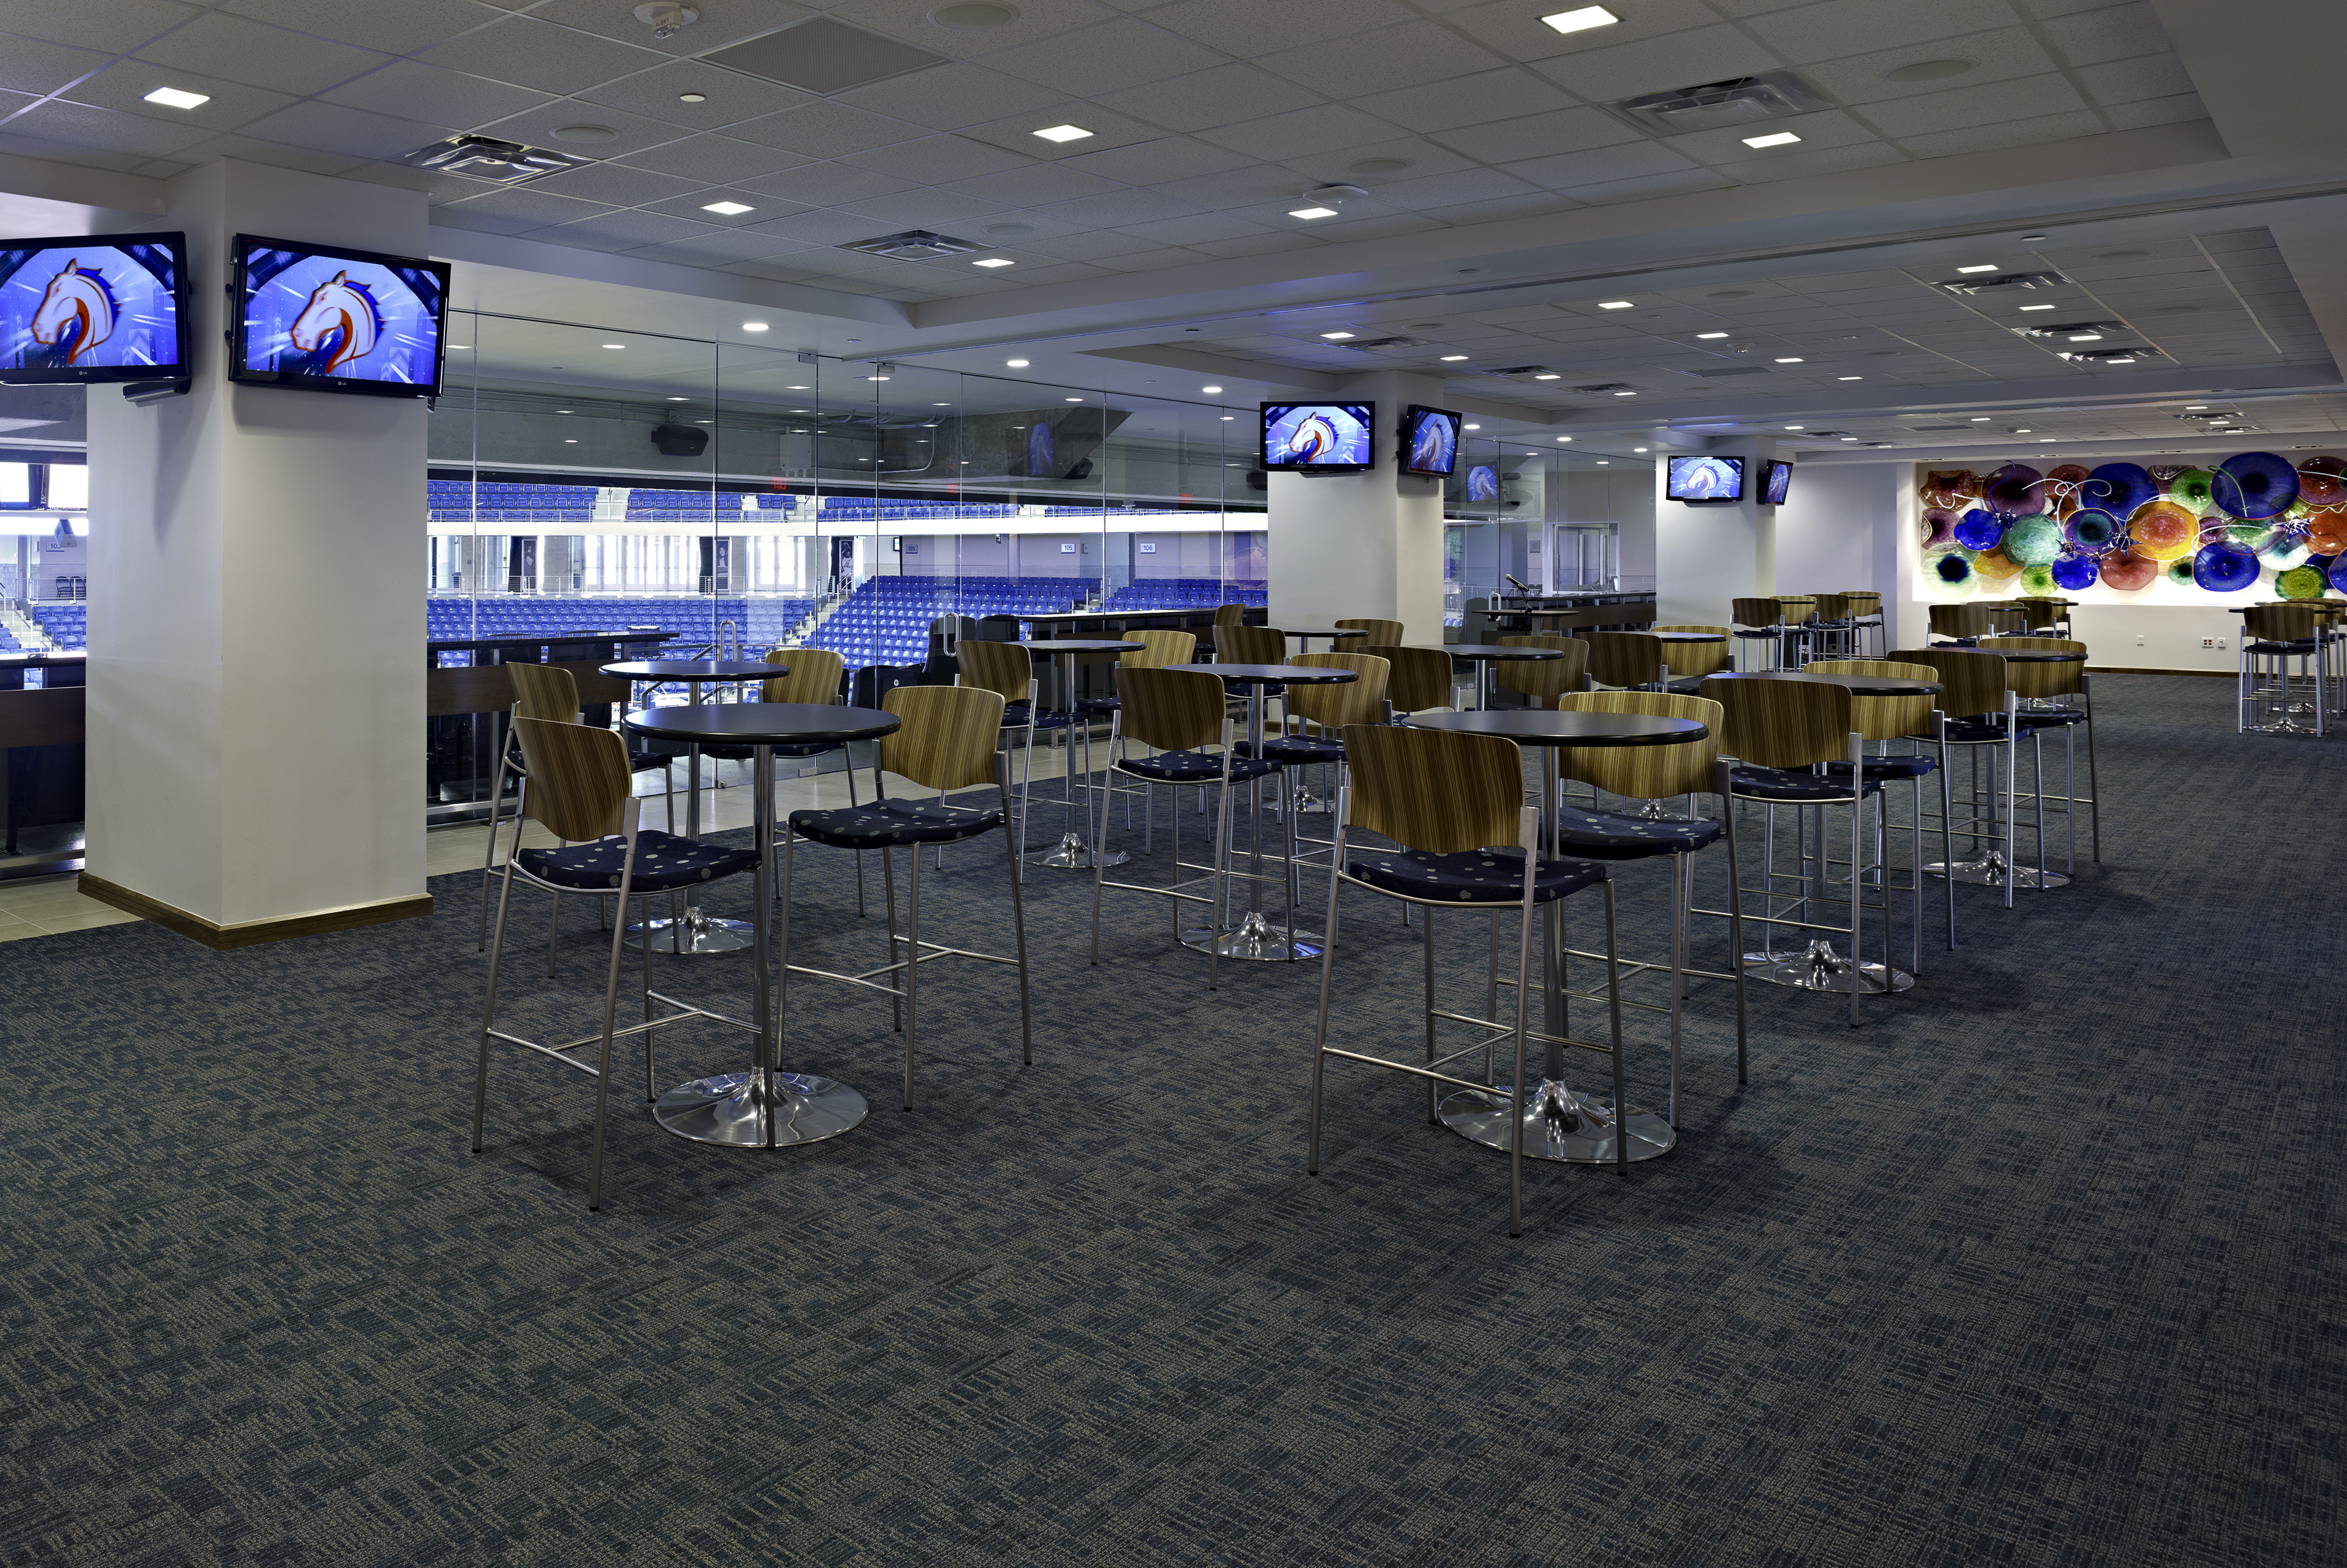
{"x": 2043, "y": 1264}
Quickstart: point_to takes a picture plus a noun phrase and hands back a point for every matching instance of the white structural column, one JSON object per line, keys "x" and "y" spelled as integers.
{"x": 1362, "y": 544}
{"x": 256, "y": 612}
{"x": 1706, "y": 555}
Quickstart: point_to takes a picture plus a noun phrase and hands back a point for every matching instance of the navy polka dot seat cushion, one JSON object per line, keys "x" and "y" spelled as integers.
{"x": 1605, "y": 836}
{"x": 1297, "y": 751}
{"x": 1096, "y": 705}
{"x": 1474, "y": 877}
{"x": 1193, "y": 767}
{"x": 884, "y": 822}
{"x": 663, "y": 862}
{"x": 645, "y": 761}
{"x": 1014, "y": 717}
{"x": 1791, "y": 784}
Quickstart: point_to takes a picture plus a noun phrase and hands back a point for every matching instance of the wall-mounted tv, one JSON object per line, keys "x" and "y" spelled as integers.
{"x": 1775, "y": 478}
{"x": 1429, "y": 441}
{"x": 1702, "y": 481}
{"x": 1482, "y": 483}
{"x": 1319, "y": 437}
{"x": 101, "y": 307}
{"x": 327, "y": 318}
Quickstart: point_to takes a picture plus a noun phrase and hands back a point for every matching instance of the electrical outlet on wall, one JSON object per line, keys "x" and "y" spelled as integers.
{"x": 2207, "y": 643}
{"x": 2220, "y": 643}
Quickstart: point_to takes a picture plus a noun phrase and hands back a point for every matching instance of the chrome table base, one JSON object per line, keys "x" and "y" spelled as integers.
{"x": 1559, "y": 1124}
{"x": 800, "y": 1108}
{"x": 1256, "y": 938}
{"x": 1991, "y": 871}
{"x": 1822, "y": 969}
{"x": 693, "y": 934}
{"x": 1072, "y": 854}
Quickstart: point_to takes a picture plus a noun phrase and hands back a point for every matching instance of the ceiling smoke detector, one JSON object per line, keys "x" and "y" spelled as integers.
{"x": 486, "y": 158}
{"x": 913, "y": 245}
{"x": 1739, "y": 101}
{"x": 666, "y": 18}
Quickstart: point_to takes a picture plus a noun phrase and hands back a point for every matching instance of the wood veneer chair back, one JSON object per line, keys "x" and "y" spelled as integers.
{"x": 1757, "y": 611}
{"x": 948, "y": 737}
{"x": 1545, "y": 678}
{"x": 1437, "y": 789}
{"x": 1379, "y": 633}
{"x": 1004, "y": 668}
{"x": 1361, "y": 701}
{"x": 1172, "y": 710}
{"x": 578, "y": 778}
{"x": 1250, "y": 645}
{"x": 1883, "y": 718}
{"x": 1230, "y": 615}
{"x": 2063, "y": 680}
{"x": 1644, "y": 772}
{"x": 542, "y": 692}
{"x": 1782, "y": 724}
{"x": 1159, "y": 649}
{"x": 1698, "y": 658}
{"x": 1801, "y": 608}
{"x": 1972, "y": 681}
{"x": 1417, "y": 679}
{"x": 1959, "y": 620}
{"x": 1625, "y": 658}
{"x": 2280, "y": 622}
{"x": 814, "y": 675}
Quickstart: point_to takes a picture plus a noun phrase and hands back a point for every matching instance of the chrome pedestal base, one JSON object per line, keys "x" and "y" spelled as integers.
{"x": 800, "y": 1109}
{"x": 696, "y": 932}
{"x": 1257, "y": 938}
{"x": 1991, "y": 871}
{"x": 1072, "y": 854}
{"x": 1822, "y": 969}
{"x": 1559, "y": 1124}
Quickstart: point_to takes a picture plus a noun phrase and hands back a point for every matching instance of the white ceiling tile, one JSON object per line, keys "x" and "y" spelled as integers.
{"x": 1059, "y": 272}
{"x": 534, "y": 53}
{"x": 1414, "y": 54}
{"x": 236, "y": 50}
{"x": 334, "y": 128}
{"x": 2032, "y": 132}
{"x": 722, "y": 22}
{"x": 2112, "y": 33}
{"x": 115, "y": 26}
{"x": 938, "y": 159}
{"x": 537, "y": 208}
{"x": 29, "y": 65}
{"x": 124, "y": 85}
{"x": 1501, "y": 210}
{"x": 1375, "y": 226}
{"x": 1840, "y": 27}
{"x": 1222, "y": 96}
{"x": 1118, "y": 209}
{"x": 1540, "y": 135}
{"x": 78, "y": 157}
{"x": 1242, "y": 28}
{"x": 826, "y": 130}
{"x": 615, "y": 184}
{"x": 479, "y": 222}
{"x": 1239, "y": 187}
{"x": 912, "y": 20}
{"x": 1156, "y": 162}
{"x": 536, "y": 127}
{"x": 1829, "y": 128}
{"x": 1099, "y": 245}
{"x": 1193, "y": 229}
{"x": 826, "y": 184}
{"x": 1104, "y": 57}
{"x": 717, "y": 249}
{"x": 411, "y": 88}
{"x": 1434, "y": 191}
{"x": 1657, "y": 65}
{"x": 1963, "y": 107}
{"x": 1515, "y": 30}
{"x": 947, "y": 98}
{"x": 820, "y": 227}
{"x": 398, "y": 29}
{"x": 277, "y": 155}
{"x": 1800, "y": 163}
{"x": 1015, "y": 133}
{"x": 2157, "y": 111}
{"x": 1257, "y": 244}
{"x": 1595, "y": 165}
{"x": 1647, "y": 187}
{"x": 2041, "y": 8}
{"x": 943, "y": 210}
{"x": 1342, "y": 164}
{"x": 717, "y": 157}
{"x": 1286, "y": 136}
{"x": 1475, "y": 99}
{"x": 731, "y": 96}
{"x": 2129, "y": 81}
{"x": 1034, "y": 185}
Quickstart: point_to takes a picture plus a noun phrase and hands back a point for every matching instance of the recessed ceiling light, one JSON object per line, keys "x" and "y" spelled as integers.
{"x": 1452, "y": 358}
{"x": 566, "y": 410}
{"x": 1792, "y": 361}
{"x": 1564, "y": 437}
{"x": 1625, "y": 394}
{"x": 1983, "y": 267}
{"x": 1471, "y": 428}
{"x": 1228, "y": 417}
{"x": 1603, "y": 464}
{"x": 1582, "y": 20}
{"x": 1792, "y": 428}
{"x": 2038, "y": 307}
{"x": 797, "y": 389}
{"x": 570, "y": 441}
{"x": 1016, "y": 363}
{"x": 692, "y": 97}
{"x": 1063, "y": 133}
{"x": 1309, "y": 213}
{"x": 2033, "y": 239}
{"x": 1075, "y": 400}
{"x": 728, "y": 208}
{"x": 758, "y": 327}
{"x": 1849, "y": 378}
{"x": 175, "y": 98}
{"x": 1779, "y": 139}
{"x": 995, "y": 261}
{"x": 1548, "y": 376}
{"x": 1210, "y": 391}
{"x": 2085, "y": 337}
{"x": 1849, "y": 437}
{"x": 2022, "y": 430}
{"x": 875, "y": 378}
{"x": 1708, "y": 336}
{"x": 1335, "y": 337}
{"x": 1615, "y": 304}
{"x": 2193, "y": 407}
{"x": 1980, "y": 419}
{"x": 615, "y": 345}
{"x": 676, "y": 400}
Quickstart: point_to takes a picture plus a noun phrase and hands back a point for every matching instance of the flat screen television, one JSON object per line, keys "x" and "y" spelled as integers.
{"x": 99, "y": 307}
{"x": 1429, "y": 441}
{"x": 1319, "y": 437}
{"x": 327, "y": 318}
{"x": 1702, "y": 481}
{"x": 1775, "y": 480}
{"x": 1482, "y": 483}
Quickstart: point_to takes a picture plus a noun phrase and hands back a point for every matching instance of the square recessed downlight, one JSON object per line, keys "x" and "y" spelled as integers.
{"x": 1452, "y": 358}
{"x": 178, "y": 98}
{"x": 1063, "y": 133}
{"x": 1617, "y": 304}
{"x": 1625, "y": 394}
{"x": 1795, "y": 361}
{"x": 995, "y": 261}
{"x": 1708, "y": 336}
{"x": 2038, "y": 307}
{"x": 1779, "y": 138}
{"x": 728, "y": 208}
{"x": 1548, "y": 376}
{"x": 1309, "y": 213}
{"x": 1016, "y": 363}
{"x": 753, "y": 326}
{"x": 1984, "y": 267}
{"x": 1581, "y": 20}
{"x": 1335, "y": 337}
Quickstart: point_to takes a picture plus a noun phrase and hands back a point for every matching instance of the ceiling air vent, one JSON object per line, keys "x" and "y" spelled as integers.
{"x": 1740, "y": 100}
{"x": 1517, "y": 370}
{"x": 2011, "y": 284}
{"x": 824, "y": 55}
{"x": 913, "y": 245}
{"x": 1607, "y": 386}
{"x": 2110, "y": 355}
{"x": 1384, "y": 343}
{"x": 486, "y": 157}
{"x": 2065, "y": 329}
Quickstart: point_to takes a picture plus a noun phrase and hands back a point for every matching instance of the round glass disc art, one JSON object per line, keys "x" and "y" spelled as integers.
{"x": 2127, "y": 571}
{"x": 2033, "y": 540}
{"x": 2162, "y": 531}
{"x": 2074, "y": 572}
{"x": 2225, "y": 568}
{"x": 1980, "y": 529}
{"x": 2301, "y": 582}
{"x": 2117, "y": 489}
{"x": 2256, "y": 485}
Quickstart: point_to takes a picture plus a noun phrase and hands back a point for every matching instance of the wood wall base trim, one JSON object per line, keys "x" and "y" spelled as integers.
{"x": 253, "y": 933}
{"x": 2147, "y": 670}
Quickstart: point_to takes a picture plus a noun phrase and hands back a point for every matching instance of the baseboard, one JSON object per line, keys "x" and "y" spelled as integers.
{"x": 2145, "y": 669}
{"x": 253, "y": 933}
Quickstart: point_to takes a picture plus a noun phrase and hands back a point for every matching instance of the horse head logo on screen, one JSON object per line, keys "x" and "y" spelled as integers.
{"x": 340, "y": 323}
{"x": 77, "y": 313}
{"x": 1315, "y": 440}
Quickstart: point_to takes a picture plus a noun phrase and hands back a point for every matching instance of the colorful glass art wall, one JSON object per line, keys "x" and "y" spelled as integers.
{"x": 2128, "y": 533}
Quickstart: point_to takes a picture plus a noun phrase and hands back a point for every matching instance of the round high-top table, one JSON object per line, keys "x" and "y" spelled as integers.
{"x": 1689, "y": 636}
{"x": 765, "y": 1107}
{"x": 1856, "y": 685}
{"x": 693, "y": 932}
{"x": 1072, "y": 853}
{"x": 1255, "y": 937}
{"x": 1305, "y": 634}
{"x": 1560, "y": 1121}
{"x": 1484, "y": 655}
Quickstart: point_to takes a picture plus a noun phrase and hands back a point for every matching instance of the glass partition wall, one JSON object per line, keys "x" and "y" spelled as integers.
{"x": 1549, "y": 519}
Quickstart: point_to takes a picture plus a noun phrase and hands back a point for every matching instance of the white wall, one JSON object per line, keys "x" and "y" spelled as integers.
{"x": 1839, "y": 530}
{"x": 1362, "y": 544}
{"x": 1705, "y": 556}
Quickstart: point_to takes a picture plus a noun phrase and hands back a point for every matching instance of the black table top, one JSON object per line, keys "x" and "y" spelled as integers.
{"x": 1274, "y": 674}
{"x": 1322, "y": 632}
{"x": 2037, "y": 656}
{"x": 764, "y": 724}
{"x": 1081, "y": 645}
{"x": 1858, "y": 685}
{"x": 1545, "y": 727}
{"x": 695, "y": 670}
{"x": 1494, "y": 651}
{"x": 1690, "y": 635}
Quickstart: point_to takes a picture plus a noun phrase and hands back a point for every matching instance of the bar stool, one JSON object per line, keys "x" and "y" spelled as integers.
{"x": 946, "y": 743}
{"x": 2272, "y": 636}
{"x": 1759, "y": 624}
{"x": 1444, "y": 799}
{"x": 1830, "y": 629}
{"x": 1542, "y": 680}
{"x": 813, "y": 677}
{"x": 1630, "y": 660}
{"x": 1864, "y": 607}
{"x": 1883, "y": 720}
{"x": 2047, "y": 689}
{"x": 1780, "y": 733}
{"x": 1158, "y": 648}
{"x": 1961, "y": 624}
{"x": 1328, "y": 710}
{"x": 1007, "y": 670}
{"x": 1418, "y": 679}
{"x": 1801, "y": 615}
{"x": 1379, "y": 632}
{"x": 1689, "y": 663}
{"x": 1979, "y": 712}
{"x": 1179, "y": 714}
{"x": 576, "y": 785}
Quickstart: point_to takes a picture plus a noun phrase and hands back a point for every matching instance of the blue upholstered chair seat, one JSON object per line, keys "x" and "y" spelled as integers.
{"x": 645, "y": 761}
{"x": 1014, "y": 717}
{"x": 1091, "y": 706}
{"x": 1790, "y": 784}
{"x": 1193, "y": 767}
{"x": 744, "y": 753}
{"x": 888, "y": 822}
{"x": 2051, "y": 718}
{"x": 1606, "y": 835}
{"x": 1887, "y": 767}
{"x": 2294, "y": 650}
{"x": 1988, "y": 728}
{"x": 1768, "y": 633}
{"x": 1295, "y": 751}
{"x": 1472, "y": 877}
{"x": 663, "y": 862}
